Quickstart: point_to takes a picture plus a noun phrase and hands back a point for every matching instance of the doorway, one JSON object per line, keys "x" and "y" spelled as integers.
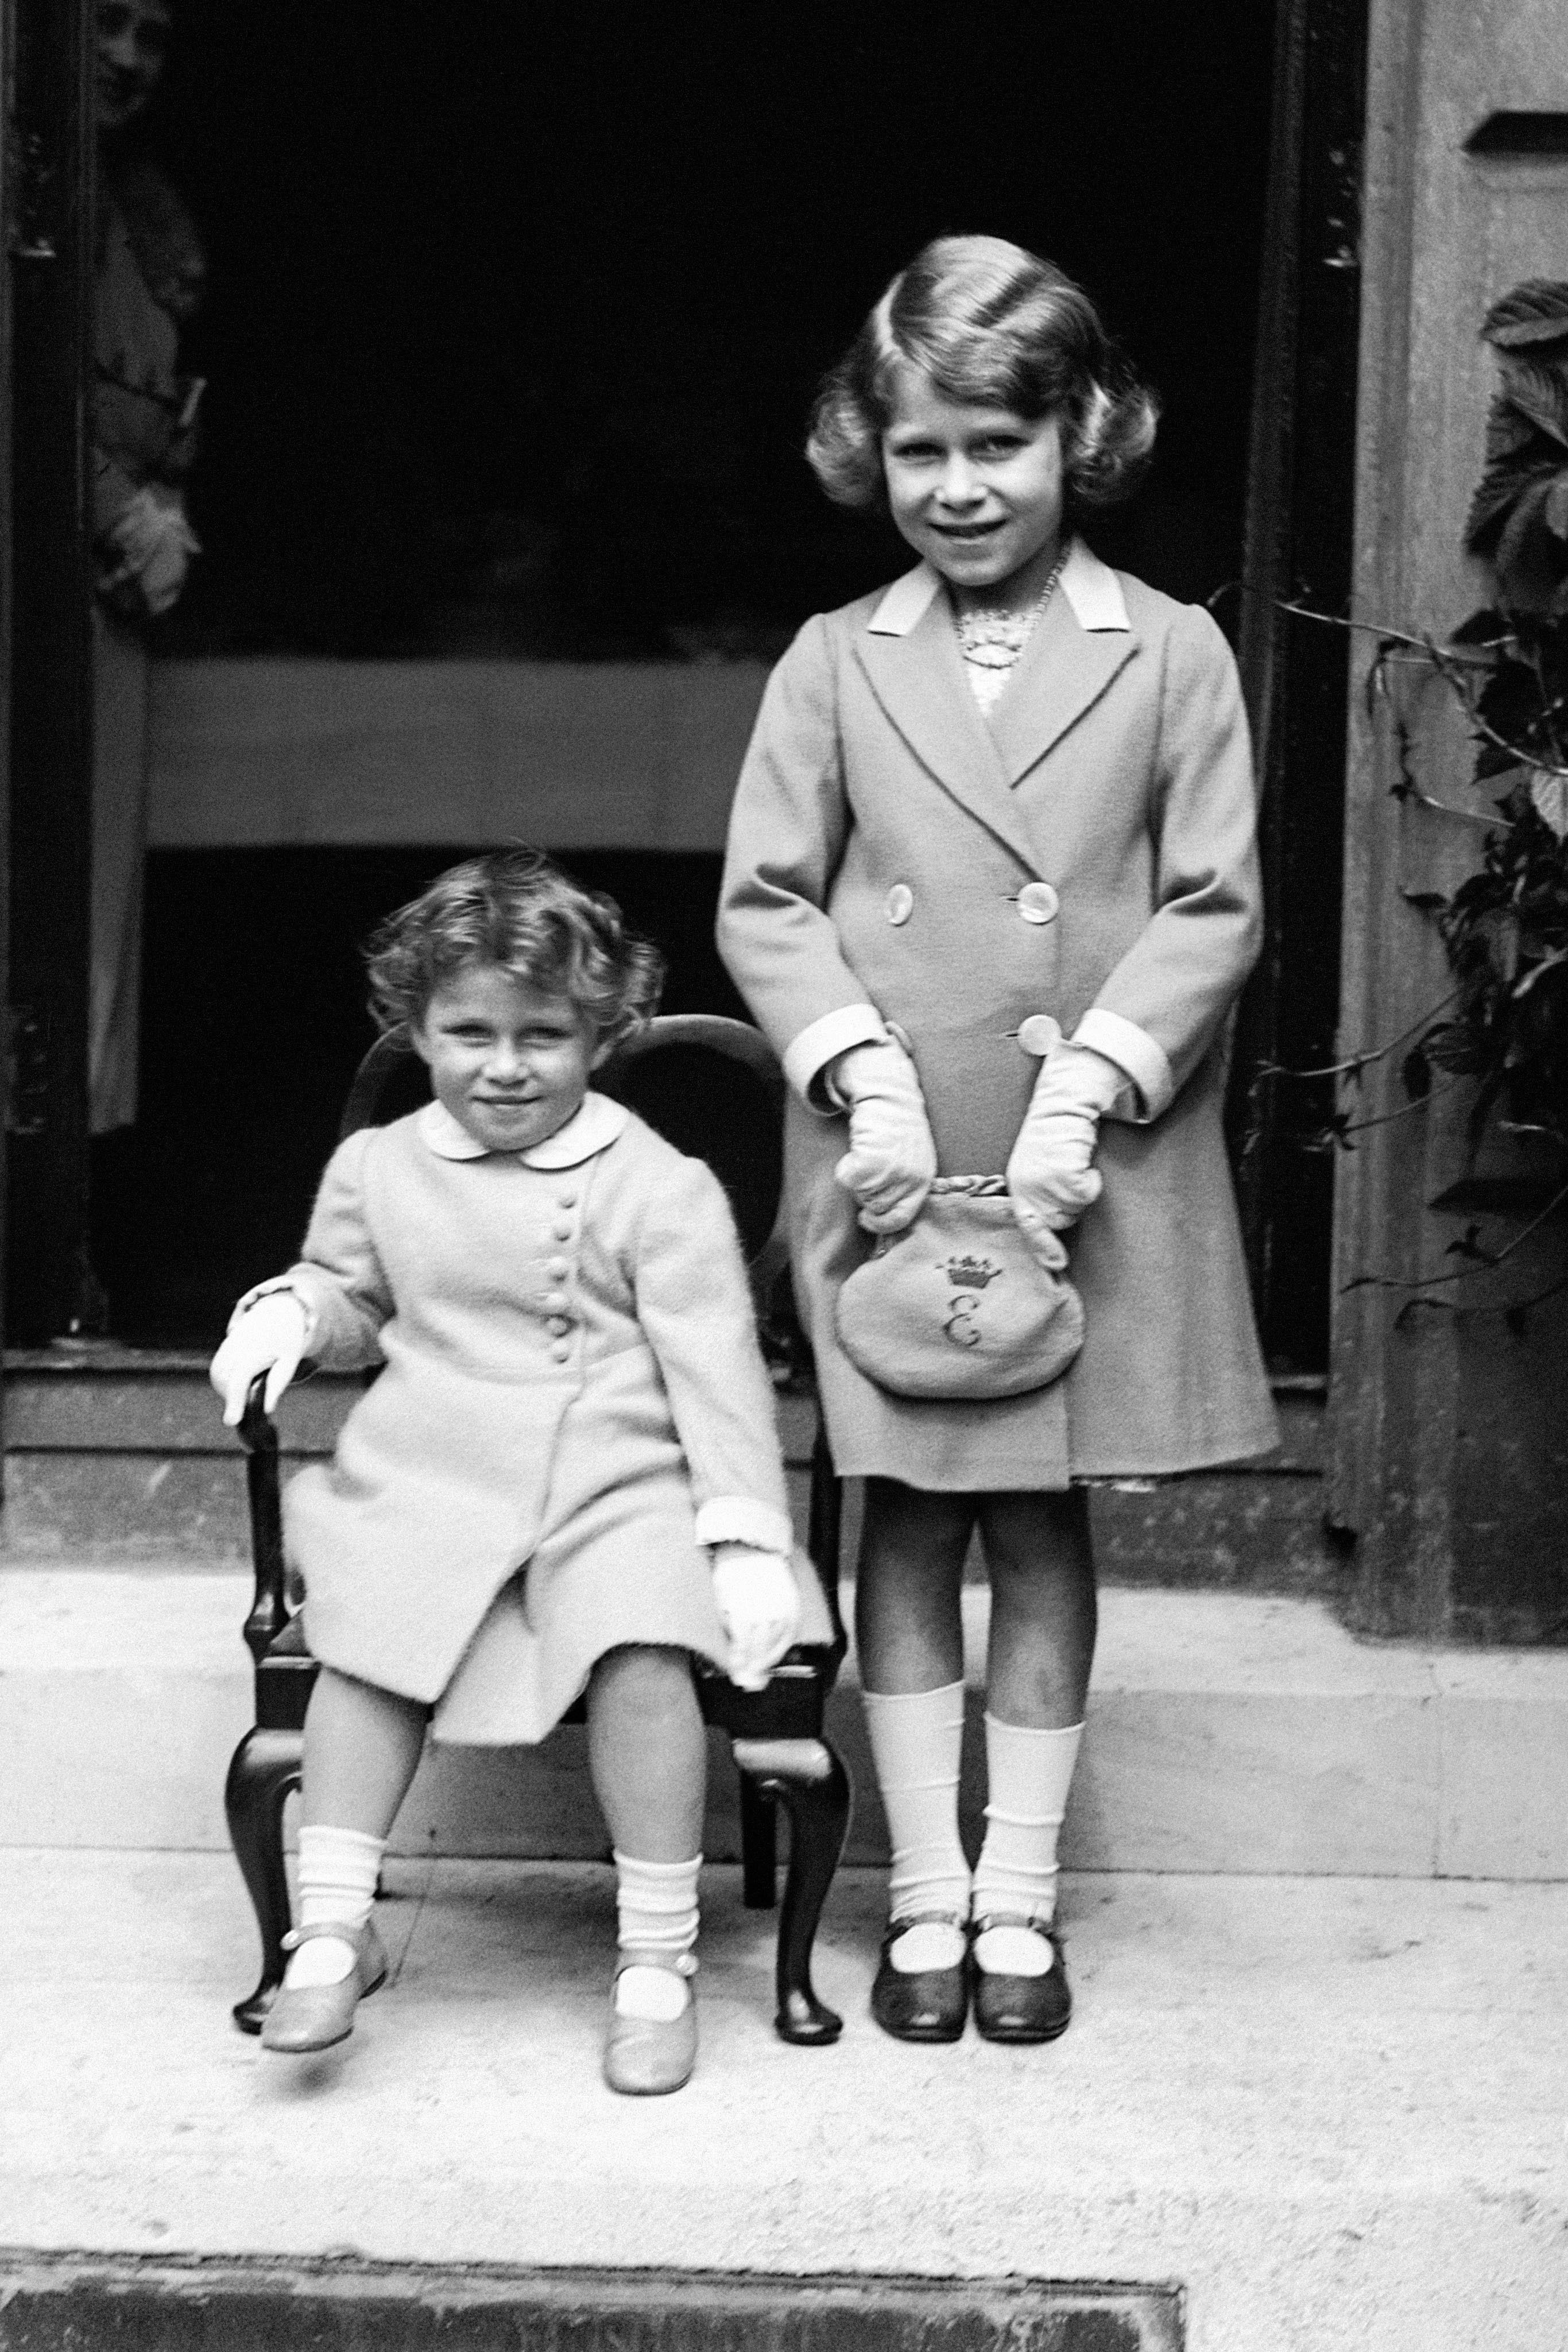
{"x": 513, "y": 319}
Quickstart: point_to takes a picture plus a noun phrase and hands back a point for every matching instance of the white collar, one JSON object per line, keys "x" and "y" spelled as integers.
{"x": 1090, "y": 588}
{"x": 592, "y": 1128}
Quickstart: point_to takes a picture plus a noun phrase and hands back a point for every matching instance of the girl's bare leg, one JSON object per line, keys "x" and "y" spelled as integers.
{"x": 647, "y": 1752}
{"x": 361, "y": 1748}
{"x": 908, "y": 1630}
{"x": 1044, "y": 1610}
{"x": 1042, "y": 1648}
{"x": 910, "y": 1635}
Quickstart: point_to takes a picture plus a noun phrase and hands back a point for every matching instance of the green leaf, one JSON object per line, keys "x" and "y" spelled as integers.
{"x": 1529, "y": 560}
{"x": 1534, "y": 311}
{"x": 1483, "y": 629}
{"x": 1549, "y": 798}
{"x": 1537, "y": 390}
{"x": 1500, "y": 929}
{"x": 1454, "y": 1046}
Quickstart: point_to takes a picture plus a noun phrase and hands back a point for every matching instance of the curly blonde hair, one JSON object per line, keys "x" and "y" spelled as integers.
{"x": 991, "y": 325}
{"x": 517, "y": 910}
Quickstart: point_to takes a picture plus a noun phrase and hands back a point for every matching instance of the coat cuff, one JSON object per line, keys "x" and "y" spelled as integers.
{"x": 268, "y": 1289}
{"x": 739, "y": 1518}
{"x": 808, "y": 1056}
{"x": 1132, "y": 1050}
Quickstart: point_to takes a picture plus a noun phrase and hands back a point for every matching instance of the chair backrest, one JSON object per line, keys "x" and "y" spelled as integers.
{"x": 711, "y": 1086}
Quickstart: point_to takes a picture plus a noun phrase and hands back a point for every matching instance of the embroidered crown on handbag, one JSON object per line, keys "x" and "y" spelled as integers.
{"x": 959, "y": 1306}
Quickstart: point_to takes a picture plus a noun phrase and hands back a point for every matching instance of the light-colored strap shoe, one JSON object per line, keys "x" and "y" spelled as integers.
{"x": 644, "y": 2056}
{"x": 313, "y": 2017}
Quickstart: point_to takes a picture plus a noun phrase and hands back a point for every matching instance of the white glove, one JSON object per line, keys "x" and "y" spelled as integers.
{"x": 759, "y": 1607}
{"x": 1051, "y": 1175}
{"x": 269, "y": 1336}
{"x": 891, "y": 1160}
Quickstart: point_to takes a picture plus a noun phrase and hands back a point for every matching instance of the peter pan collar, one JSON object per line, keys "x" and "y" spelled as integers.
{"x": 1091, "y": 587}
{"x": 591, "y": 1128}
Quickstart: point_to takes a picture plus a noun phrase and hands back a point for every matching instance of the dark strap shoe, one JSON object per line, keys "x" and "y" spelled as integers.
{"x": 929, "y": 2005}
{"x": 1021, "y": 2009}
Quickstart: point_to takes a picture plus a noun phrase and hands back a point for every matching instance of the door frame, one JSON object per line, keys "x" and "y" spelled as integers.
{"x": 48, "y": 731}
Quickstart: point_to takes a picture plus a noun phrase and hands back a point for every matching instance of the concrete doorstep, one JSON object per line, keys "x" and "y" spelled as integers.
{"x": 1330, "y": 2111}
{"x": 1227, "y": 1734}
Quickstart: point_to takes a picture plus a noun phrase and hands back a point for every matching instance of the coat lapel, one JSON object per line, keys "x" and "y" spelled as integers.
{"x": 1080, "y": 641}
{"x": 909, "y": 651}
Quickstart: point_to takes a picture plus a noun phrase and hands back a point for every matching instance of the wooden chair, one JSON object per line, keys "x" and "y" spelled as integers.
{"x": 776, "y": 1733}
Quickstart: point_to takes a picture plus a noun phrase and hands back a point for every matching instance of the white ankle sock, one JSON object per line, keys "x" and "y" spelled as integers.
{"x": 917, "y": 1741}
{"x": 338, "y": 1874}
{"x": 656, "y": 1909}
{"x": 1029, "y": 1774}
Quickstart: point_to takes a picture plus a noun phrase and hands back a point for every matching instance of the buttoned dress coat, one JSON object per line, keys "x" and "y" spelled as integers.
{"x": 1082, "y": 864}
{"x": 572, "y": 1405}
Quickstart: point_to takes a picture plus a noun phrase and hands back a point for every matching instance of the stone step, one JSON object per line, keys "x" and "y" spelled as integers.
{"x": 1328, "y": 2110}
{"x": 1228, "y": 1733}
{"x": 116, "y": 1456}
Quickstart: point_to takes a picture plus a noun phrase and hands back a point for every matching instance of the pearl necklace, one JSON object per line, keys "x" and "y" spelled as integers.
{"x": 993, "y": 640}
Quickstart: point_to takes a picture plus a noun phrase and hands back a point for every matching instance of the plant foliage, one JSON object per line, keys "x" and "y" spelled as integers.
{"x": 1506, "y": 926}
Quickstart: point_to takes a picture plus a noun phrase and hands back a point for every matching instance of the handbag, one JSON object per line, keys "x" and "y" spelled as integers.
{"x": 957, "y": 1306}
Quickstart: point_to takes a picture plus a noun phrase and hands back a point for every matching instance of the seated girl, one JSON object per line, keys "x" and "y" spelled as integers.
{"x": 566, "y": 1474}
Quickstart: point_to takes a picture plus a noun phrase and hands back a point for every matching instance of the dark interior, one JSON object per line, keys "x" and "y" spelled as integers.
{"x": 515, "y": 316}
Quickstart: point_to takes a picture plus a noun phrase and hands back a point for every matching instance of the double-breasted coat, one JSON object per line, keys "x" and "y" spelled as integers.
{"x": 572, "y": 1404}
{"x": 1081, "y": 863}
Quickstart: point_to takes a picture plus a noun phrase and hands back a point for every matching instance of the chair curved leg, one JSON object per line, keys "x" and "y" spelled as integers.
{"x": 758, "y": 1846}
{"x": 808, "y": 1777}
{"x": 263, "y": 1772}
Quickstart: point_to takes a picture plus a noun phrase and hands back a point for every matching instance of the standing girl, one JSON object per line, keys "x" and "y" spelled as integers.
{"x": 992, "y": 891}
{"x": 566, "y": 1476}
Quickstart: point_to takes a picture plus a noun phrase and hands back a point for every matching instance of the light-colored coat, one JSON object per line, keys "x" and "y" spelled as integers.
{"x": 527, "y": 1483}
{"x": 1087, "y": 854}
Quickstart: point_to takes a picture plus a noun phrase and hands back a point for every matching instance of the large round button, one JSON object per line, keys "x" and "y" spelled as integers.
{"x": 567, "y": 1199}
{"x": 1037, "y": 902}
{"x": 559, "y": 1325}
{"x": 558, "y": 1268}
{"x": 1039, "y": 1034}
{"x": 562, "y": 1229}
{"x": 900, "y": 903}
{"x": 554, "y": 1302}
{"x": 561, "y": 1351}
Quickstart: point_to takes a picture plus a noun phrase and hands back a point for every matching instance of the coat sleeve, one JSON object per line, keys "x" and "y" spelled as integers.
{"x": 1162, "y": 1006}
{"x": 786, "y": 835}
{"x": 694, "y": 1302}
{"x": 338, "y": 1279}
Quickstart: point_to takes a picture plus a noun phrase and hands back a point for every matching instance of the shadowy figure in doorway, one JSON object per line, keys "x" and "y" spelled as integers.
{"x": 149, "y": 271}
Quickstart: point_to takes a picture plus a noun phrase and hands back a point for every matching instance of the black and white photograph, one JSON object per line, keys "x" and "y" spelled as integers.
{"x": 784, "y": 1228}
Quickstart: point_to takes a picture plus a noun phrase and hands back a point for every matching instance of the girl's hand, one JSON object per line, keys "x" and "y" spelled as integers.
{"x": 269, "y": 1336}
{"x": 1051, "y": 1175}
{"x": 891, "y": 1160}
{"x": 759, "y": 1607}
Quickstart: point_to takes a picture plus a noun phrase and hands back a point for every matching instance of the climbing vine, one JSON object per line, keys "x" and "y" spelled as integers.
{"x": 1502, "y": 1029}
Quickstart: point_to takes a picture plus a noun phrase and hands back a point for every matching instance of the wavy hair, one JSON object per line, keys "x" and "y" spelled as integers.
{"x": 517, "y": 910}
{"x": 989, "y": 325}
